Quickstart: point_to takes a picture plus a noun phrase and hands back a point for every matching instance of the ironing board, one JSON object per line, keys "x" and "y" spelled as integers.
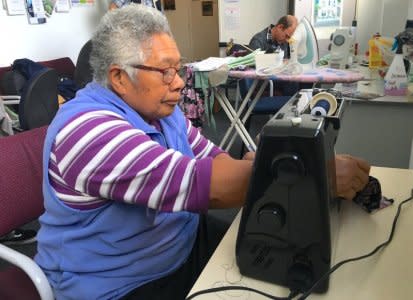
{"x": 319, "y": 75}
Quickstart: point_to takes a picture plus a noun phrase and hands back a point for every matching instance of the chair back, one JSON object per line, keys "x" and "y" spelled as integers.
{"x": 38, "y": 103}
{"x": 83, "y": 71}
{"x": 21, "y": 197}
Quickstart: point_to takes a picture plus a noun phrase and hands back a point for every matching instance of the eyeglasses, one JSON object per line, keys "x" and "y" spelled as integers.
{"x": 287, "y": 35}
{"x": 168, "y": 73}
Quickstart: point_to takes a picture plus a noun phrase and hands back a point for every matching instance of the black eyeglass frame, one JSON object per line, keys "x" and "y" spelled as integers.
{"x": 170, "y": 71}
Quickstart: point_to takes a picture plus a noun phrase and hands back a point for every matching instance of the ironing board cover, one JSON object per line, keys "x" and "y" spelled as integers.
{"x": 325, "y": 75}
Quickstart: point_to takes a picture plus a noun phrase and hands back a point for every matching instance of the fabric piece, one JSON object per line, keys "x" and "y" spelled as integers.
{"x": 6, "y": 127}
{"x": 192, "y": 100}
{"x": 371, "y": 198}
{"x": 202, "y": 82}
{"x": 218, "y": 76}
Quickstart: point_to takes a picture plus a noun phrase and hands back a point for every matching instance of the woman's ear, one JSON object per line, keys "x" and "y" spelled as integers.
{"x": 118, "y": 79}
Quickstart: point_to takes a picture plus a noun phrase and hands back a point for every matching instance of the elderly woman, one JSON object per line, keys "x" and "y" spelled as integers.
{"x": 127, "y": 176}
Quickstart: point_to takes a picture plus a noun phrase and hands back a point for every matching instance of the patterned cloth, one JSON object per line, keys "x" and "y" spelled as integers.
{"x": 192, "y": 103}
{"x": 371, "y": 198}
{"x": 324, "y": 75}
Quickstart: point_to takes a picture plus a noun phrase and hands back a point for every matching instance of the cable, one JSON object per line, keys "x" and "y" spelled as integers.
{"x": 338, "y": 265}
{"x": 244, "y": 288}
{"x": 303, "y": 296}
{"x": 355, "y": 11}
{"x": 293, "y": 294}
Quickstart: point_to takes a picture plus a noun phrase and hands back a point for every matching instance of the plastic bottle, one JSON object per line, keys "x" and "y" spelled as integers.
{"x": 395, "y": 81}
{"x": 375, "y": 57}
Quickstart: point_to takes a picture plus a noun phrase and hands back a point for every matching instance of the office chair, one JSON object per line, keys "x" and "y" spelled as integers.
{"x": 266, "y": 105}
{"x": 21, "y": 201}
{"x": 38, "y": 102}
{"x": 83, "y": 71}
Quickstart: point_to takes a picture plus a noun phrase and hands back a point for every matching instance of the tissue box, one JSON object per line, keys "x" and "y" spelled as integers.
{"x": 268, "y": 60}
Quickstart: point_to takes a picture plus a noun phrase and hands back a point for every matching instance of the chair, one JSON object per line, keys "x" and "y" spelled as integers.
{"x": 267, "y": 105}
{"x": 38, "y": 103}
{"x": 83, "y": 71}
{"x": 21, "y": 201}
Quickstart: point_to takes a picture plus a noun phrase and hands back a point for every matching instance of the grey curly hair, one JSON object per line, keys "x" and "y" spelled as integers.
{"x": 120, "y": 36}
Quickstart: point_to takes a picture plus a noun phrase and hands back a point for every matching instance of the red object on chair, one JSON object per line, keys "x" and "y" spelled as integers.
{"x": 21, "y": 201}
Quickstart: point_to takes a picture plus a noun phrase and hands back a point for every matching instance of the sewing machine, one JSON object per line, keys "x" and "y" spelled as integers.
{"x": 341, "y": 43}
{"x": 288, "y": 221}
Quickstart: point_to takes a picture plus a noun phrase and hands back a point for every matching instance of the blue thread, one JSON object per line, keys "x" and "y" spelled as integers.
{"x": 321, "y": 108}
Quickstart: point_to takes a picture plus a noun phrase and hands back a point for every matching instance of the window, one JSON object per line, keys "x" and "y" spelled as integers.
{"x": 326, "y": 15}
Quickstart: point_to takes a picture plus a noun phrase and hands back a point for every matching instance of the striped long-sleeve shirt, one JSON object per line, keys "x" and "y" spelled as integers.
{"x": 98, "y": 156}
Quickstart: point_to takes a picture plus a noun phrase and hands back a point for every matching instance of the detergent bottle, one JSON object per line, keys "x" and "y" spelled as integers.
{"x": 395, "y": 80}
{"x": 375, "y": 57}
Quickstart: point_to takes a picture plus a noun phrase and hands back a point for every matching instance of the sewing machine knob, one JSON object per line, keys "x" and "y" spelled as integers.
{"x": 300, "y": 277}
{"x": 287, "y": 168}
{"x": 272, "y": 215}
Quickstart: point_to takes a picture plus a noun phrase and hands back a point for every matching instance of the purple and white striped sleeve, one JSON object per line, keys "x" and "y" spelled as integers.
{"x": 201, "y": 146}
{"x": 98, "y": 156}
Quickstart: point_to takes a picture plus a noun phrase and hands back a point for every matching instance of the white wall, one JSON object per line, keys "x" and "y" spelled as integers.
{"x": 254, "y": 16}
{"x": 387, "y": 17}
{"x": 63, "y": 34}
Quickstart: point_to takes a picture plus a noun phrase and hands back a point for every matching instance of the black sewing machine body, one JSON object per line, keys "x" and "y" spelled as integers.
{"x": 284, "y": 235}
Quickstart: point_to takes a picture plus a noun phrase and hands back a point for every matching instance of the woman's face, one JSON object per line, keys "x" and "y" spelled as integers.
{"x": 151, "y": 94}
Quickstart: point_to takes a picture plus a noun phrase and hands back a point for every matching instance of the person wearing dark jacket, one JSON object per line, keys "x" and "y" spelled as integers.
{"x": 274, "y": 38}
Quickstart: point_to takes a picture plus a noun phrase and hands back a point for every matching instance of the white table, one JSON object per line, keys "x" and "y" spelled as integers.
{"x": 322, "y": 75}
{"x": 386, "y": 275}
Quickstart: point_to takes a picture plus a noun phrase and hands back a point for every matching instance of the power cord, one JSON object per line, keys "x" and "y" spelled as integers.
{"x": 303, "y": 296}
{"x": 238, "y": 287}
{"x": 384, "y": 244}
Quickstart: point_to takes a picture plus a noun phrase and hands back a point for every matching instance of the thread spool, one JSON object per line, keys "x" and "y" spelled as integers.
{"x": 323, "y": 104}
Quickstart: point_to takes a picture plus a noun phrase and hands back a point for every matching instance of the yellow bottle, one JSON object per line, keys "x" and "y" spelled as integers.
{"x": 375, "y": 57}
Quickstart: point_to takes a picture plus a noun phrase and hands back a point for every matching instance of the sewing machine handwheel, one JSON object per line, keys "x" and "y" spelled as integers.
{"x": 287, "y": 168}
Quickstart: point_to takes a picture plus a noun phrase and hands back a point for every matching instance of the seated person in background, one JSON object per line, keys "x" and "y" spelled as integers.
{"x": 152, "y": 3}
{"x": 276, "y": 37}
{"x": 128, "y": 180}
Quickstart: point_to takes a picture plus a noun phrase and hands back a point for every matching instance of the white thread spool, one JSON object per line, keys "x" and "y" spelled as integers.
{"x": 323, "y": 104}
